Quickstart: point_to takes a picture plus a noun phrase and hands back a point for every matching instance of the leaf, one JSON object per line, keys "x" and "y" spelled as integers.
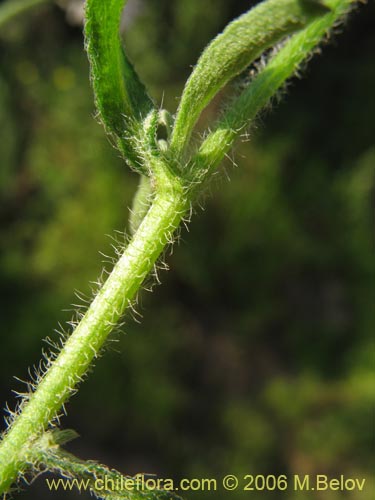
{"x": 141, "y": 203}
{"x": 121, "y": 98}
{"x": 232, "y": 51}
{"x": 282, "y": 65}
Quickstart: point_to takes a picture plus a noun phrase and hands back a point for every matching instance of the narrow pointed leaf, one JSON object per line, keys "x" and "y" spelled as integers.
{"x": 232, "y": 51}
{"x": 121, "y": 98}
{"x": 141, "y": 203}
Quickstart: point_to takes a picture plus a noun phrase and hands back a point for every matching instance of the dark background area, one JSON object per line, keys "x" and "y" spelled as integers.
{"x": 256, "y": 354}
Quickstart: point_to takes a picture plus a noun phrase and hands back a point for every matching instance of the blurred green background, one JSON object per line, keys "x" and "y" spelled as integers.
{"x": 256, "y": 354}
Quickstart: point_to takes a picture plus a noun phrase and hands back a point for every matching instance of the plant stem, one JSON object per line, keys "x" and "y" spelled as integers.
{"x": 87, "y": 339}
{"x": 156, "y": 230}
{"x": 13, "y": 8}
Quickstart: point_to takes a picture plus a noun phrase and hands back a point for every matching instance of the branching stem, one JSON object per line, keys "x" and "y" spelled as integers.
{"x": 172, "y": 193}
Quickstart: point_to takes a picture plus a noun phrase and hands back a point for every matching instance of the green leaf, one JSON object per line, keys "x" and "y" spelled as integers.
{"x": 232, "y": 51}
{"x": 121, "y": 98}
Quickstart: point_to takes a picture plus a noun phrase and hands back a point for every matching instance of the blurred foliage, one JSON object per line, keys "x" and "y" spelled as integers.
{"x": 256, "y": 353}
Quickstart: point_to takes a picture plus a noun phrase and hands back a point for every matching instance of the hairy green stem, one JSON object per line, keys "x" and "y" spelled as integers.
{"x": 170, "y": 203}
{"x": 12, "y": 8}
{"x": 86, "y": 341}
